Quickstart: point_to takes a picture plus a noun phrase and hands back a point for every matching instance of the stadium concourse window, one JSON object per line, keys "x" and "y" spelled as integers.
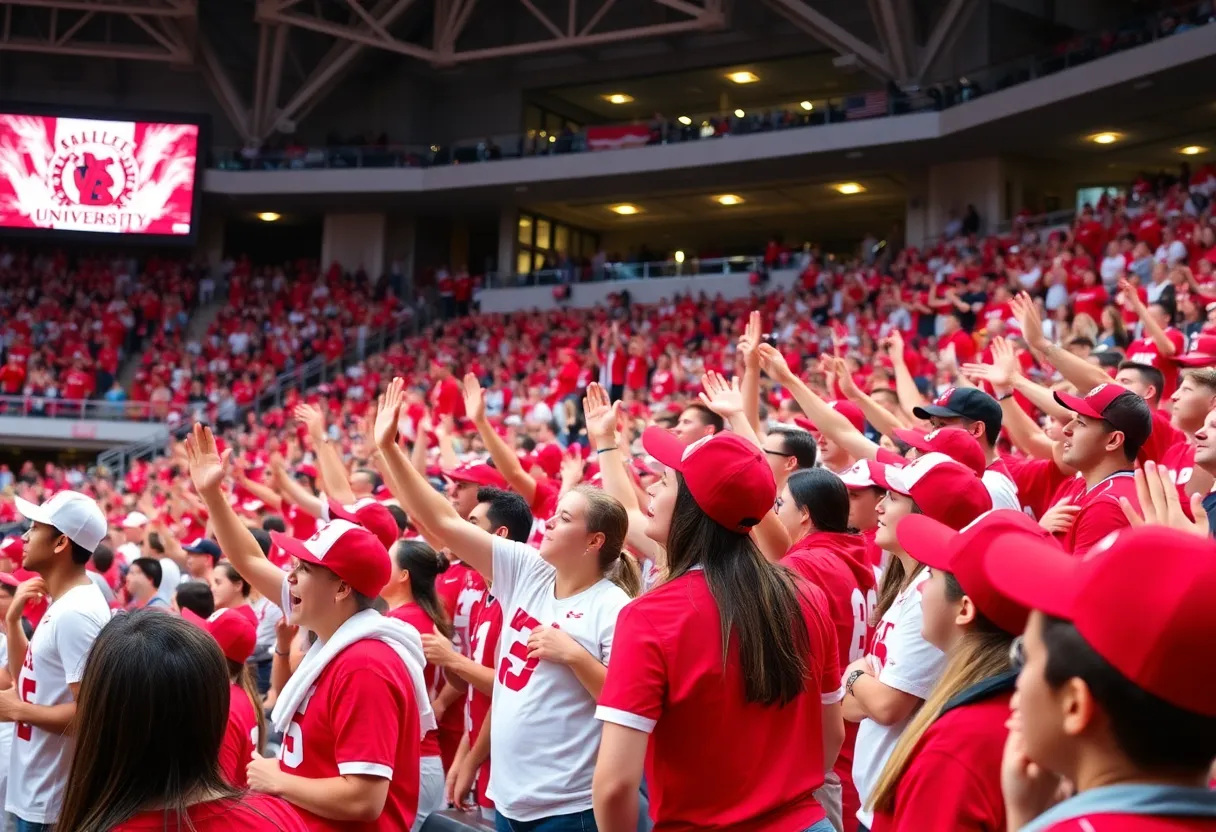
{"x": 553, "y": 251}
{"x": 1092, "y": 196}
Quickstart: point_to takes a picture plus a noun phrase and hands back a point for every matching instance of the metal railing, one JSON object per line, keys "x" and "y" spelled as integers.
{"x": 688, "y": 267}
{"x": 51, "y": 407}
{"x": 1150, "y": 27}
{"x": 115, "y": 462}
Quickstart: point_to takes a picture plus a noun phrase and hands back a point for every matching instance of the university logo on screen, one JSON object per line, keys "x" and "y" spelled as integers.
{"x": 93, "y": 175}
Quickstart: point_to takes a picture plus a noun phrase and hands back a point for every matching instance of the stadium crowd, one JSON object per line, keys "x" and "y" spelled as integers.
{"x": 865, "y": 554}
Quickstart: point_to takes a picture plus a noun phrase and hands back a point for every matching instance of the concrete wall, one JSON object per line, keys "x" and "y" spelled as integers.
{"x": 354, "y": 240}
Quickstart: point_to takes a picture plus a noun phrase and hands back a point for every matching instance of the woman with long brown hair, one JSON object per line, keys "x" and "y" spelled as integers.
{"x": 158, "y": 769}
{"x": 714, "y": 670}
{"x": 944, "y": 772}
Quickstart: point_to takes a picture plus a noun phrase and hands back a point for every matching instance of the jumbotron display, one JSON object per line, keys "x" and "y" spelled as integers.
{"x": 98, "y": 176}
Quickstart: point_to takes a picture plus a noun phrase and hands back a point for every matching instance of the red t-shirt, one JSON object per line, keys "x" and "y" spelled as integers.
{"x": 1038, "y": 481}
{"x": 1145, "y": 351}
{"x": 301, "y": 524}
{"x": 417, "y": 618}
{"x": 636, "y": 369}
{"x": 1089, "y": 300}
{"x": 716, "y": 761}
{"x": 964, "y": 345}
{"x": 1112, "y": 822}
{"x": 954, "y": 773}
{"x": 1163, "y": 437}
{"x": 240, "y": 737}
{"x": 251, "y": 813}
{"x": 446, "y": 399}
{"x": 12, "y": 378}
{"x": 484, "y": 630}
{"x": 1100, "y": 512}
{"x": 360, "y": 718}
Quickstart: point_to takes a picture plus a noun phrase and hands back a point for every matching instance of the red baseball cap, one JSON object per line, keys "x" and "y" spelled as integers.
{"x": 955, "y": 443}
{"x": 13, "y": 548}
{"x": 348, "y": 550}
{"x": 1092, "y": 403}
{"x": 725, "y": 474}
{"x": 858, "y": 476}
{"x": 306, "y": 470}
{"x": 1201, "y": 354}
{"x": 477, "y": 473}
{"x": 945, "y": 490}
{"x": 842, "y": 406}
{"x": 369, "y": 514}
{"x": 549, "y": 458}
{"x": 1146, "y": 622}
{"x": 234, "y": 632}
{"x": 962, "y": 554}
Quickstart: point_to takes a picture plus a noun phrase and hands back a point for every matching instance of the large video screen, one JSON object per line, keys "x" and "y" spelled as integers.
{"x": 98, "y": 176}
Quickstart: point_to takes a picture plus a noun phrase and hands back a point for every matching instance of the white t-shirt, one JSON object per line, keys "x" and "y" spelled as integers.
{"x": 1003, "y": 491}
{"x": 543, "y": 718}
{"x": 40, "y": 760}
{"x": 6, "y": 732}
{"x": 906, "y": 662}
{"x": 170, "y": 578}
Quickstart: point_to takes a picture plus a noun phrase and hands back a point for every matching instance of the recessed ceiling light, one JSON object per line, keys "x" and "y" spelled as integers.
{"x": 1192, "y": 150}
{"x": 806, "y": 105}
{"x": 685, "y": 120}
{"x": 849, "y": 188}
{"x": 269, "y": 216}
{"x": 618, "y": 98}
{"x": 624, "y": 210}
{"x": 729, "y": 199}
{"x": 743, "y": 77}
{"x": 1105, "y": 138}
{"x": 739, "y": 113}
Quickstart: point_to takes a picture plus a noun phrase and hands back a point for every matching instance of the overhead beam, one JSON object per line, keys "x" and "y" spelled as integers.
{"x": 141, "y": 7}
{"x": 274, "y": 82}
{"x": 897, "y": 35}
{"x": 944, "y": 34}
{"x": 348, "y": 33}
{"x": 596, "y": 39}
{"x": 819, "y": 26}
{"x": 225, "y": 92}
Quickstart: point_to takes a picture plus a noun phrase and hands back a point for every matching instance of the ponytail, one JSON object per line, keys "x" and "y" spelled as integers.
{"x": 424, "y": 565}
{"x": 626, "y": 573}
{"x": 605, "y": 515}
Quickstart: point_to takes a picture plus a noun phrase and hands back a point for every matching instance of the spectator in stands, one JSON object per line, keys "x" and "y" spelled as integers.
{"x": 142, "y": 583}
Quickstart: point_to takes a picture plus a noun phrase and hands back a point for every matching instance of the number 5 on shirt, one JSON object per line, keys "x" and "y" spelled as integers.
{"x": 511, "y": 679}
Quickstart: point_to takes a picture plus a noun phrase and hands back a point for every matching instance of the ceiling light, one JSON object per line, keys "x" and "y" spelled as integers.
{"x": 806, "y": 105}
{"x": 739, "y": 114}
{"x": 679, "y": 257}
{"x": 625, "y": 210}
{"x": 849, "y": 188}
{"x": 618, "y": 98}
{"x": 685, "y": 120}
{"x": 1105, "y": 138}
{"x": 728, "y": 199}
{"x": 743, "y": 77}
{"x": 553, "y": 138}
{"x": 269, "y": 216}
{"x": 1192, "y": 150}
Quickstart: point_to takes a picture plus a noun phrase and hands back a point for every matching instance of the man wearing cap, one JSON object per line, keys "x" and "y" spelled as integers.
{"x": 47, "y": 669}
{"x": 1119, "y": 705}
{"x": 978, "y": 413}
{"x": 1108, "y": 428}
{"x": 201, "y": 557}
{"x": 134, "y": 528}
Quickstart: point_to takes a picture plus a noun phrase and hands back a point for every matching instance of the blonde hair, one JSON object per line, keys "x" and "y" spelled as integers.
{"x": 605, "y": 515}
{"x": 1084, "y": 326}
{"x": 1204, "y": 376}
{"x": 982, "y": 653}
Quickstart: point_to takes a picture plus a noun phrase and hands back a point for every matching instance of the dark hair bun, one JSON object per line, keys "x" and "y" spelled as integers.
{"x": 441, "y": 563}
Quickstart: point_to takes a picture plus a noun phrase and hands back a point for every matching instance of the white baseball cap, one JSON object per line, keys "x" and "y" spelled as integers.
{"x": 72, "y": 513}
{"x": 135, "y": 520}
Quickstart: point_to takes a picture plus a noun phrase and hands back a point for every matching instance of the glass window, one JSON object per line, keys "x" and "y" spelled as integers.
{"x": 542, "y": 234}
{"x": 525, "y": 230}
{"x": 534, "y": 118}
{"x": 561, "y": 239}
{"x": 523, "y": 263}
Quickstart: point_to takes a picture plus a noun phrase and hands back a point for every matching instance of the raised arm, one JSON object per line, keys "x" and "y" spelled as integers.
{"x": 263, "y": 492}
{"x": 505, "y": 460}
{"x": 207, "y": 471}
{"x": 1164, "y": 345}
{"x": 294, "y": 492}
{"x": 748, "y": 345}
{"x": 476, "y": 547}
{"x": 329, "y": 461}
{"x": 727, "y": 400}
{"x": 1076, "y": 370}
{"x": 883, "y": 420}
{"x": 905, "y": 386}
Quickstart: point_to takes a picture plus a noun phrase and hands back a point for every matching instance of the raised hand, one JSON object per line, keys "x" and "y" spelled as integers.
{"x": 474, "y": 400}
{"x": 313, "y": 420}
{"x": 1032, "y": 325}
{"x": 844, "y": 380}
{"x": 1129, "y": 296}
{"x": 749, "y": 341}
{"x": 388, "y": 413}
{"x": 722, "y": 397}
{"x": 573, "y": 466}
{"x": 894, "y": 343}
{"x": 601, "y": 416}
{"x": 207, "y": 467}
{"x": 774, "y": 364}
{"x": 1160, "y": 504}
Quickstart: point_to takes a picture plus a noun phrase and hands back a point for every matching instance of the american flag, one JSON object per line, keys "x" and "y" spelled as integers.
{"x": 866, "y": 106}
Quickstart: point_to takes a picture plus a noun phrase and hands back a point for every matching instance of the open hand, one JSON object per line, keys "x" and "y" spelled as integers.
{"x": 207, "y": 467}
{"x": 722, "y": 397}
{"x": 313, "y": 420}
{"x": 1160, "y": 504}
{"x": 775, "y": 365}
{"x": 474, "y": 399}
{"x": 601, "y": 416}
{"x": 388, "y": 412}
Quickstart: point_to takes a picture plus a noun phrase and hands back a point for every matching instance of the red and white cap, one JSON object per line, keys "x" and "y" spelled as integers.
{"x": 348, "y": 550}
{"x": 955, "y": 443}
{"x": 1201, "y": 354}
{"x": 477, "y": 473}
{"x": 945, "y": 490}
{"x": 1148, "y": 623}
{"x": 858, "y": 476}
{"x": 1092, "y": 403}
{"x": 962, "y": 554}
{"x": 135, "y": 520}
{"x": 13, "y": 548}
{"x": 236, "y": 635}
{"x": 9, "y": 579}
{"x": 725, "y": 474}
{"x": 369, "y": 514}
{"x": 842, "y": 406}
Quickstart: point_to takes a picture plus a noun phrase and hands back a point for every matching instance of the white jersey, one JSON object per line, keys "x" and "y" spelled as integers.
{"x": 6, "y": 732}
{"x": 40, "y": 760}
{"x": 906, "y": 662}
{"x": 543, "y": 718}
{"x": 1003, "y": 491}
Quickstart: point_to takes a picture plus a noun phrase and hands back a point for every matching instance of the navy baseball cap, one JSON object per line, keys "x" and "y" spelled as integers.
{"x": 204, "y": 546}
{"x": 965, "y": 403}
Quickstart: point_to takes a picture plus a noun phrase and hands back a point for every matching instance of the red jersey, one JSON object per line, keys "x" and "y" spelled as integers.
{"x": 459, "y": 588}
{"x": 76, "y": 384}
{"x": 1100, "y": 512}
{"x": 300, "y": 523}
{"x": 662, "y": 385}
{"x": 446, "y": 399}
{"x": 12, "y": 378}
{"x": 360, "y": 718}
{"x": 240, "y": 737}
{"x": 964, "y": 345}
{"x": 484, "y": 630}
{"x": 417, "y": 618}
{"x": 1179, "y": 461}
{"x": 1038, "y": 482}
{"x": 1089, "y": 300}
{"x": 1145, "y": 351}
{"x": 716, "y": 761}
{"x": 250, "y": 813}
{"x": 636, "y": 369}
{"x": 954, "y": 773}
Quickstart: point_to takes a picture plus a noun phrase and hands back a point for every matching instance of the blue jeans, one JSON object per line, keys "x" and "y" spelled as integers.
{"x": 577, "y": 822}
{"x": 824, "y": 825}
{"x": 20, "y": 825}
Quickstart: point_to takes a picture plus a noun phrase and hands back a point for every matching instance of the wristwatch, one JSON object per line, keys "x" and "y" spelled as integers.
{"x": 853, "y": 677}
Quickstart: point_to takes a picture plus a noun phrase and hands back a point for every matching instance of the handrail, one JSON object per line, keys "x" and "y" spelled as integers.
{"x": 53, "y": 407}
{"x": 690, "y": 266}
{"x": 778, "y": 116}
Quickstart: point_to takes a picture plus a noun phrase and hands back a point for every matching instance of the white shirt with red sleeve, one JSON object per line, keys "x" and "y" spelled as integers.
{"x": 906, "y": 662}
{"x": 715, "y": 760}
{"x": 360, "y": 718}
{"x": 1145, "y": 351}
{"x": 543, "y": 731}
